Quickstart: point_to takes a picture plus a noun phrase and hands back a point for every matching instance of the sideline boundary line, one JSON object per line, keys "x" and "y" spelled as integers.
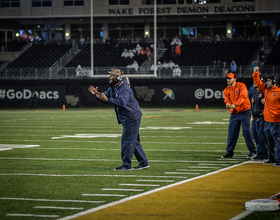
{"x": 146, "y": 193}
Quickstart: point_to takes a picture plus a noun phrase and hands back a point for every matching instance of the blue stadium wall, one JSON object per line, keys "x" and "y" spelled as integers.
{"x": 148, "y": 92}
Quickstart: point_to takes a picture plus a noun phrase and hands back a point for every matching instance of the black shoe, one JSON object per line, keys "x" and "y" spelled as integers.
{"x": 121, "y": 168}
{"x": 268, "y": 162}
{"x": 227, "y": 156}
{"x": 277, "y": 165}
{"x": 141, "y": 167}
{"x": 251, "y": 155}
{"x": 257, "y": 158}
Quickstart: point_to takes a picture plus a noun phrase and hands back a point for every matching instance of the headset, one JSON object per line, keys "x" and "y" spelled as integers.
{"x": 274, "y": 81}
{"x": 120, "y": 77}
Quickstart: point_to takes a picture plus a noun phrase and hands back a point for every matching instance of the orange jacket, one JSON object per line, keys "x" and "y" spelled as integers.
{"x": 238, "y": 95}
{"x": 271, "y": 112}
{"x": 178, "y": 49}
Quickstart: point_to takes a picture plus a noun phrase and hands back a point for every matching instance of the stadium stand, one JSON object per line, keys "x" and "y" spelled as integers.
{"x": 106, "y": 55}
{"x": 274, "y": 56}
{"x": 40, "y": 56}
{"x": 204, "y": 53}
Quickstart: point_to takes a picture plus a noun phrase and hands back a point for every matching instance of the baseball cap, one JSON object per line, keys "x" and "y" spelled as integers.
{"x": 230, "y": 75}
{"x": 115, "y": 72}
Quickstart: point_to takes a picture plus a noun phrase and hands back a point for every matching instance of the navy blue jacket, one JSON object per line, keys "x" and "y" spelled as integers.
{"x": 257, "y": 107}
{"x": 126, "y": 106}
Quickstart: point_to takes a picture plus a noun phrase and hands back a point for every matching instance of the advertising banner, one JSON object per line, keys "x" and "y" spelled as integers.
{"x": 148, "y": 92}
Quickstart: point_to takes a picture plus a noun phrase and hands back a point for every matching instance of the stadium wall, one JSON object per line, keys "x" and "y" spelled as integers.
{"x": 149, "y": 92}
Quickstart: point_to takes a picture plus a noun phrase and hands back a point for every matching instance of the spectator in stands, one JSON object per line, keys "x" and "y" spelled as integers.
{"x": 82, "y": 41}
{"x": 153, "y": 67}
{"x": 141, "y": 51}
{"x": 124, "y": 53}
{"x": 214, "y": 66}
{"x": 160, "y": 44}
{"x": 148, "y": 52}
{"x": 137, "y": 49}
{"x": 176, "y": 72}
{"x": 261, "y": 55}
{"x": 233, "y": 67}
{"x": 164, "y": 65}
{"x": 171, "y": 65}
{"x": 225, "y": 69}
{"x": 252, "y": 66}
{"x": 159, "y": 66}
{"x": 177, "y": 50}
{"x": 130, "y": 54}
{"x": 133, "y": 65}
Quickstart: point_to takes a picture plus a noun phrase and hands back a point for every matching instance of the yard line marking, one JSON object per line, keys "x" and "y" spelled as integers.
{"x": 114, "y": 142}
{"x": 132, "y": 190}
{"x": 130, "y": 184}
{"x": 192, "y": 170}
{"x": 146, "y": 193}
{"x": 32, "y": 215}
{"x": 17, "y": 146}
{"x": 89, "y": 136}
{"x": 205, "y": 167}
{"x": 50, "y": 200}
{"x": 163, "y": 181}
{"x": 88, "y": 175}
{"x": 117, "y": 195}
{"x": 106, "y": 160}
{"x": 208, "y": 164}
{"x": 181, "y": 173}
{"x": 103, "y": 149}
{"x": 2, "y": 149}
{"x": 56, "y": 207}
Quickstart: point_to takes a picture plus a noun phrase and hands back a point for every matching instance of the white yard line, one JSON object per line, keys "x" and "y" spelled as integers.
{"x": 145, "y": 193}
{"x": 160, "y": 181}
{"x": 90, "y": 175}
{"x": 56, "y": 207}
{"x": 50, "y": 200}
{"x": 126, "y": 190}
{"x": 32, "y": 215}
{"x": 130, "y": 184}
{"x": 181, "y": 173}
{"x": 106, "y": 160}
{"x": 109, "y": 195}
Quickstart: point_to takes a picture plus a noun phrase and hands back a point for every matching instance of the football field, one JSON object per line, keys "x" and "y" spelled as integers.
{"x": 58, "y": 164}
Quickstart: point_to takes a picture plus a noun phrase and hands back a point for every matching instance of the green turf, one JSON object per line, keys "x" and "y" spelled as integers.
{"x": 67, "y": 165}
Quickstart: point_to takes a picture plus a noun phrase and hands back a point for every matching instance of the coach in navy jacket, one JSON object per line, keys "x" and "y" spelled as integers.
{"x": 128, "y": 112}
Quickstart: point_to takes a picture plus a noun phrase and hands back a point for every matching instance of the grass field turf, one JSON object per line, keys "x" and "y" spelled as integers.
{"x": 73, "y": 165}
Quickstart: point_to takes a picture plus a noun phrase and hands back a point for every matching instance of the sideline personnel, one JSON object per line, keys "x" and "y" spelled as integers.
{"x": 238, "y": 103}
{"x": 271, "y": 111}
{"x": 128, "y": 112}
{"x": 257, "y": 101}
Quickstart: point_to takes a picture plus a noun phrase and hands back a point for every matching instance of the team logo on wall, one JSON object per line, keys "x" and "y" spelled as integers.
{"x": 169, "y": 93}
{"x": 70, "y": 99}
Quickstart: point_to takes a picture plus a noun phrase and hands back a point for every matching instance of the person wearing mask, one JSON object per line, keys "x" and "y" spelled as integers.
{"x": 120, "y": 96}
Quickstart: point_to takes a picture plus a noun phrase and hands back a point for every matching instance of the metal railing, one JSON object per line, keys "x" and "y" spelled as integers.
{"x": 187, "y": 72}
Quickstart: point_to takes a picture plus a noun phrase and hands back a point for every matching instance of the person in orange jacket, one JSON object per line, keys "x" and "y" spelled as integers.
{"x": 238, "y": 103}
{"x": 271, "y": 111}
